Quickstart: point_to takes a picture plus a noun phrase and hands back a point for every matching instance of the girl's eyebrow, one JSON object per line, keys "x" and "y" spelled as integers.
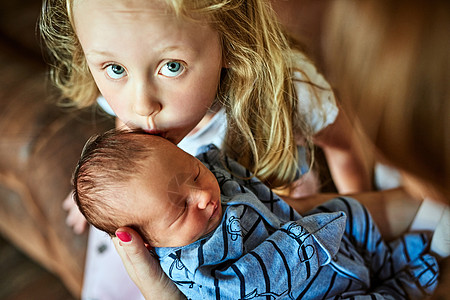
{"x": 95, "y": 54}
{"x": 187, "y": 50}
{"x": 169, "y": 49}
{"x": 98, "y": 53}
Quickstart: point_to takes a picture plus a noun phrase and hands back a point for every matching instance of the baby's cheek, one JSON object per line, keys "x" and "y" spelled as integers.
{"x": 198, "y": 229}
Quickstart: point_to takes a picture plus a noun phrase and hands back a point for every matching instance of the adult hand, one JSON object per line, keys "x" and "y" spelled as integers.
{"x": 143, "y": 267}
{"x": 75, "y": 218}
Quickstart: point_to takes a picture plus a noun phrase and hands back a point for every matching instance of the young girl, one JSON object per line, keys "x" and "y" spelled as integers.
{"x": 173, "y": 68}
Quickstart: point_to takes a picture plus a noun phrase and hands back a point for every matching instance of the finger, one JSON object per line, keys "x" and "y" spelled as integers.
{"x": 125, "y": 260}
{"x": 69, "y": 202}
{"x": 70, "y": 219}
{"x": 80, "y": 225}
{"x": 74, "y": 215}
{"x": 76, "y": 220}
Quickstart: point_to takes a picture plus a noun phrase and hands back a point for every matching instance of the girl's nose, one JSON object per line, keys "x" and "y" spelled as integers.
{"x": 145, "y": 102}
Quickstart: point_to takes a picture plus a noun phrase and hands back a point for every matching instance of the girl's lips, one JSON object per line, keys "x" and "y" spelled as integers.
{"x": 155, "y": 132}
{"x": 163, "y": 134}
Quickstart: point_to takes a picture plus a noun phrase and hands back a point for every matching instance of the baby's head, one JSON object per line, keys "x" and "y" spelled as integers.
{"x": 145, "y": 182}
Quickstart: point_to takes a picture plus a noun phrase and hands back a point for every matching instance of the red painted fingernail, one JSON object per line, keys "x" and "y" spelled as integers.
{"x": 123, "y": 236}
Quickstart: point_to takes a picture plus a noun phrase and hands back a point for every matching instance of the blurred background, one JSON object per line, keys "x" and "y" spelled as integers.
{"x": 39, "y": 146}
{"x": 20, "y": 276}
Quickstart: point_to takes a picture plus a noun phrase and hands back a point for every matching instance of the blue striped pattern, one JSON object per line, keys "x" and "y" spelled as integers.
{"x": 263, "y": 249}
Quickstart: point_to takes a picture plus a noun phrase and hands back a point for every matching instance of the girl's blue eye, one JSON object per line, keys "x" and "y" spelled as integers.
{"x": 115, "y": 71}
{"x": 172, "y": 69}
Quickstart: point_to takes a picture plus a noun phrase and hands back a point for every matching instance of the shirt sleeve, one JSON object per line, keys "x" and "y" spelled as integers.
{"x": 101, "y": 101}
{"x": 316, "y": 100}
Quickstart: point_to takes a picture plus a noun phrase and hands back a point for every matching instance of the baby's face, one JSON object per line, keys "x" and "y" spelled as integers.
{"x": 157, "y": 72}
{"x": 179, "y": 197}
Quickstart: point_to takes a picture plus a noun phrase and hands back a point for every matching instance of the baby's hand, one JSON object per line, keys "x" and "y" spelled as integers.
{"x": 75, "y": 218}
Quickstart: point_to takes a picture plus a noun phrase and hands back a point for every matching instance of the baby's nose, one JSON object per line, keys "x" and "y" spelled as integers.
{"x": 203, "y": 198}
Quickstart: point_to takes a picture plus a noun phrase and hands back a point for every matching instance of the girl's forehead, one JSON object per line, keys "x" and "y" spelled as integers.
{"x": 126, "y": 6}
{"x": 102, "y": 20}
{"x": 174, "y": 8}
{"x": 134, "y": 7}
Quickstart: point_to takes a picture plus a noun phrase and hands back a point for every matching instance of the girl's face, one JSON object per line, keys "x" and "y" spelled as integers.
{"x": 157, "y": 72}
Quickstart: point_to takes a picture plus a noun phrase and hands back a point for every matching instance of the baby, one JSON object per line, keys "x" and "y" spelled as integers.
{"x": 220, "y": 233}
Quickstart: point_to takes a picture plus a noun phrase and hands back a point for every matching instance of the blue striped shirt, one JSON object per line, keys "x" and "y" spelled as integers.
{"x": 263, "y": 249}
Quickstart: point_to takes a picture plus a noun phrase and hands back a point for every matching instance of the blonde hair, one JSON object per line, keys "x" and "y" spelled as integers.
{"x": 69, "y": 70}
{"x": 390, "y": 61}
{"x": 256, "y": 89}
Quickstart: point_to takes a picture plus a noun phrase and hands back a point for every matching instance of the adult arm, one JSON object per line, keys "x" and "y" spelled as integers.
{"x": 343, "y": 146}
{"x": 349, "y": 163}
